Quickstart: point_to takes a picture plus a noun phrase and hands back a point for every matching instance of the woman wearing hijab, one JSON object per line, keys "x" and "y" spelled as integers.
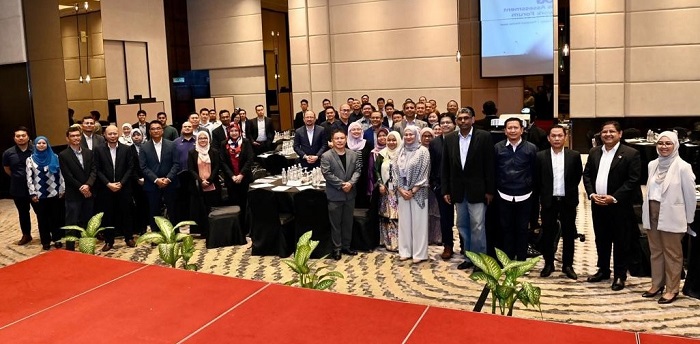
{"x": 237, "y": 159}
{"x": 412, "y": 170}
{"x": 204, "y": 162}
{"x": 388, "y": 201}
{"x": 667, "y": 212}
{"x": 434, "y": 229}
{"x": 126, "y": 139}
{"x": 46, "y": 188}
{"x": 141, "y": 203}
{"x": 357, "y": 143}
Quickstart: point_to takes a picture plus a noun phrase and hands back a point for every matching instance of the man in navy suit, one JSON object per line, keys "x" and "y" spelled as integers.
{"x": 115, "y": 165}
{"x": 160, "y": 164}
{"x": 375, "y": 120}
{"x": 309, "y": 141}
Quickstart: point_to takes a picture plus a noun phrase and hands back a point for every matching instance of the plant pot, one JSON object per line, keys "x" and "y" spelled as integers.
{"x": 87, "y": 245}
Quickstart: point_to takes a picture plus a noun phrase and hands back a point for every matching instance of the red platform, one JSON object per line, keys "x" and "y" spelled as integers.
{"x": 68, "y": 297}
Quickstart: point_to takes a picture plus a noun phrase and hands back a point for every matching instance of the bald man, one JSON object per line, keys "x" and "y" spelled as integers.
{"x": 115, "y": 167}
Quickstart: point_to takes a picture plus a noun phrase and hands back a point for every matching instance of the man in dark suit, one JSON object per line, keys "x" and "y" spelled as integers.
{"x": 244, "y": 122}
{"x": 299, "y": 117}
{"x": 115, "y": 165}
{"x": 558, "y": 173}
{"x": 220, "y": 134}
{"x": 370, "y": 133}
{"x": 468, "y": 181}
{"x": 260, "y": 131}
{"x": 341, "y": 167}
{"x": 447, "y": 211}
{"x": 142, "y": 124}
{"x": 78, "y": 170}
{"x": 310, "y": 141}
{"x": 611, "y": 178}
{"x": 90, "y": 140}
{"x": 160, "y": 164}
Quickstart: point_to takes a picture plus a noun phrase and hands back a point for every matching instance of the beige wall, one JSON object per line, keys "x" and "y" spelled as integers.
{"x": 226, "y": 39}
{"x": 47, "y": 78}
{"x": 383, "y": 52}
{"x": 12, "y": 33}
{"x": 136, "y": 21}
{"x": 84, "y": 97}
{"x": 635, "y": 58}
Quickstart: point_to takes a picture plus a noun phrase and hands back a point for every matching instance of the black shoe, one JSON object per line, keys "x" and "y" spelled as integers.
{"x": 25, "y": 240}
{"x": 569, "y": 272}
{"x": 657, "y": 292}
{"x": 336, "y": 255}
{"x": 689, "y": 293}
{"x": 107, "y": 247}
{"x": 45, "y": 247}
{"x": 465, "y": 265}
{"x": 599, "y": 276}
{"x": 665, "y": 301}
{"x": 618, "y": 284}
{"x": 349, "y": 252}
{"x": 70, "y": 245}
{"x": 58, "y": 244}
{"x": 547, "y": 270}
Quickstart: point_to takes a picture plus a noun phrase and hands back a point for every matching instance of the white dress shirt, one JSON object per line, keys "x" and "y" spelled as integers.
{"x": 262, "y": 136}
{"x": 558, "y": 186}
{"x": 158, "y": 146}
{"x": 601, "y": 181}
{"x": 310, "y": 134}
{"x": 464, "y": 142}
{"x": 88, "y": 140}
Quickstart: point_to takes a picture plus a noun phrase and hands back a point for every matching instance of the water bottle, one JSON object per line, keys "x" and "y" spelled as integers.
{"x": 284, "y": 176}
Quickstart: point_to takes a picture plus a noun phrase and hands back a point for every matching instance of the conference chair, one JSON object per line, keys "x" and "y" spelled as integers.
{"x": 311, "y": 214}
{"x": 272, "y": 234}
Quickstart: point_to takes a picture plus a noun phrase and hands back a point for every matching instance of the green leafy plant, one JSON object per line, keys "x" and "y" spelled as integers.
{"x": 171, "y": 245}
{"x": 88, "y": 236}
{"x": 503, "y": 282}
{"x": 308, "y": 276}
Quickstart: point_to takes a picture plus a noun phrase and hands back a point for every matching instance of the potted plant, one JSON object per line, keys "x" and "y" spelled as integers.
{"x": 306, "y": 275}
{"x": 88, "y": 235}
{"x": 503, "y": 282}
{"x": 172, "y": 245}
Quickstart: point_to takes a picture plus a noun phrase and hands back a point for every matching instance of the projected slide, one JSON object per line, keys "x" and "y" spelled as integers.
{"x": 516, "y": 37}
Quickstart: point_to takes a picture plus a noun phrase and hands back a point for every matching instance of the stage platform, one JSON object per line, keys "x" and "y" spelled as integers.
{"x": 69, "y": 297}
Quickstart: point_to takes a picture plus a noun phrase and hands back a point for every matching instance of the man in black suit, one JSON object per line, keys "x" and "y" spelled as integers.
{"x": 90, "y": 140}
{"x": 310, "y": 141}
{"x": 558, "y": 175}
{"x": 260, "y": 131}
{"x": 447, "y": 211}
{"x": 220, "y": 134}
{"x": 115, "y": 165}
{"x": 468, "y": 180}
{"x": 611, "y": 178}
{"x": 142, "y": 124}
{"x": 299, "y": 118}
{"x": 243, "y": 121}
{"x": 160, "y": 164}
{"x": 78, "y": 170}
{"x": 490, "y": 112}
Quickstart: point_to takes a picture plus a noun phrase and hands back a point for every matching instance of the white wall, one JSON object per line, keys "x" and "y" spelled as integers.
{"x": 12, "y": 33}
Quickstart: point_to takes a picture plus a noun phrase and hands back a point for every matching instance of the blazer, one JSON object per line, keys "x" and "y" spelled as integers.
{"x": 336, "y": 175}
{"x": 120, "y": 171}
{"x": 252, "y": 129}
{"x": 477, "y": 178}
{"x": 192, "y": 167}
{"x": 677, "y": 208}
{"x": 167, "y": 167}
{"x": 218, "y": 135}
{"x": 544, "y": 176}
{"x": 399, "y": 127}
{"x": 435, "y": 149}
{"x": 97, "y": 141}
{"x": 75, "y": 175}
{"x": 302, "y": 146}
{"x": 623, "y": 178}
{"x": 246, "y": 161}
{"x": 299, "y": 120}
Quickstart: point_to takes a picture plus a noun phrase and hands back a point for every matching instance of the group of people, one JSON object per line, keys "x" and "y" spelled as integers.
{"x": 413, "y": 168}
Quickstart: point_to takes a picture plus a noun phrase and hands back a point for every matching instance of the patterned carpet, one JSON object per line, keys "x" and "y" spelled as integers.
{"x": 379, "y": 274}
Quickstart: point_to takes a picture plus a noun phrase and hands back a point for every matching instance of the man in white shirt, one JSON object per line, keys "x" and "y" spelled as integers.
{"x": 310, "y": 141}
{"x": 196, "y": 124}
{"x": 611, "y": 179}
{"x": 89, "y": 139}
{"x": 260, "y": 131}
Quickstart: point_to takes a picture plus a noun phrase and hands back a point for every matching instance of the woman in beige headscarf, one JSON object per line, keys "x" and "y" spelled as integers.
{"x": 668, "y": 209}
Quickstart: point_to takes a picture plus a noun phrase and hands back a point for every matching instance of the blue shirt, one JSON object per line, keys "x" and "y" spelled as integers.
{"x": 183, "y": 147}
{"x": 16, "y": 160}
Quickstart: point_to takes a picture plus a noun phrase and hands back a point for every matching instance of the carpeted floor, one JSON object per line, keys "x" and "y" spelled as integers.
{"x": 438, "y": 283}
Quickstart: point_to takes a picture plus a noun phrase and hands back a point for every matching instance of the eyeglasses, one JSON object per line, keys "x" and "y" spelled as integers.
{"x": 664, "y": 143}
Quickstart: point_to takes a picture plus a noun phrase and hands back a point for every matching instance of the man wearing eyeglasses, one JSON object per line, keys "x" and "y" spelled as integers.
{"x": 344, "y": 121}
{"x": 611, "y": 179}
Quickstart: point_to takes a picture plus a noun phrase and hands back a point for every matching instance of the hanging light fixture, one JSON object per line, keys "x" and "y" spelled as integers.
{"x": 77, "y": 30}
{"x": 458, "y": 55}
{"x": 87, "y": 45}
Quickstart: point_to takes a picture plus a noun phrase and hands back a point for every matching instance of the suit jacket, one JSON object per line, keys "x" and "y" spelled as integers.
{"x": 167, "y": 167}
{"x": 573, "y": 169}
{"x": 218, "y": 136}
{"x": 623, "y": 178}
{"x": 145, "y": 133}
{"x": 477, "y": 177}
{"x": 75, "y": 175}
{"x": 299, "y": 120}
{"x": 120, "y": 171}
{"x": 435, "y": 149}
{"x": 336, "y": 174}
{"x": 245, "y": 163}
{"x": 97, "y": 141}
{"x": 399, "y": 127}
{"x": 252, "y": 129}
{"x": 302, "y": 146}
{"x": 193, "y": 168}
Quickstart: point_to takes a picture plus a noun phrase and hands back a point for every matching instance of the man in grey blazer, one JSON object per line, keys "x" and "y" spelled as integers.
{"x": 341, "y": 167}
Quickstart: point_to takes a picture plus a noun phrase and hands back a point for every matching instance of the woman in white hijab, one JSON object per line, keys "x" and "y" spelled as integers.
{"x": 388, "y": 201}
{"x": 125, "y": 139}
{"x": 668, "y": 209}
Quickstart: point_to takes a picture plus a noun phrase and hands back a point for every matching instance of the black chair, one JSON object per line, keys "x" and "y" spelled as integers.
{"x": 225, "y": 227}
{"x": 311, "y": 214}
{"x": 272, "y": 234}
{"x": 275, "y": 163}
{"x": 363, "y": 236}
{"x": 631, "y": 133}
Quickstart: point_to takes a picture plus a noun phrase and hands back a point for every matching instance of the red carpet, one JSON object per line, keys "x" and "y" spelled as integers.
{"x": 66, "y": 297}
